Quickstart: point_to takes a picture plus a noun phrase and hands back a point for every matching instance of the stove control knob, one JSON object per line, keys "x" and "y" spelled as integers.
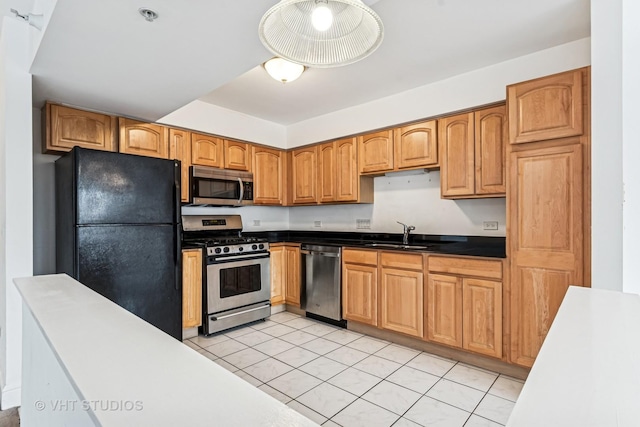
{"x": 254, "y": 247}
{"x": 218, "y": 250}
{"x": 240, "y": 249}
{"x": 226, "y": 249}
{"x": 261, "y": 246}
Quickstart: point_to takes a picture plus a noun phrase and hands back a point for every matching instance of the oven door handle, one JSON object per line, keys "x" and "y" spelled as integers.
{"x": 241, "y": 191}
{"x": 222, "y": 260}
{"x": 214, "y": 318}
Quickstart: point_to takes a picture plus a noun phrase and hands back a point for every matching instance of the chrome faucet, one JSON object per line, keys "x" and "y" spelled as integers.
{"x": 407, "y": 230}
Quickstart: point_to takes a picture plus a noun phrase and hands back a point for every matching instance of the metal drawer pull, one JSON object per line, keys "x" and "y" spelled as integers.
{"x": 214, "y": 318}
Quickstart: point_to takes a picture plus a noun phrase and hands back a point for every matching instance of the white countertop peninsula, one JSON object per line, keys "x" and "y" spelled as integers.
{"x": 88, "y": 361}
{"x": 588, "y": 369}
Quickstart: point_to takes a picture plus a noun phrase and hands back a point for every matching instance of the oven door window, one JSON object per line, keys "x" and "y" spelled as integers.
{"x": 239, "y": 280}
{"x": 216, "y": 189}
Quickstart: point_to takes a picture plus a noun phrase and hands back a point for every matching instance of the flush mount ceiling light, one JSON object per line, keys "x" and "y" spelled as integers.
{"x": 282, "y": 70}
{"x": 321, "y": 33}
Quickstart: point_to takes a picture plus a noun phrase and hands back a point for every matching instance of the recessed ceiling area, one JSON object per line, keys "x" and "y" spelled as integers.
{"x": 105, "y": 56}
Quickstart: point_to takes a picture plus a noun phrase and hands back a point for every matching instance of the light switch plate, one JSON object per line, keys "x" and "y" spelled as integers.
{"x": 363, "y": 224}
{"x": 490, "y": 225}
{"x": 256, "y": 223}
{"x": 317, "y": 223}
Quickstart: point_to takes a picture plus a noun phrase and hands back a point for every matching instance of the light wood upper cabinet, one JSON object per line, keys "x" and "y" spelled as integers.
{"x": 546, "y": 237}
{"x": 237, "y": 155}
{"x": 444, "y": 309}
{"x": 327, "y": 172}
{"x": 457, "y": 171}
{"x": 305, "y": 175}
{"x": 546, "y": 108}
{"x": 401, "y": 293}
{"x": 472, "y": 154}
{"x": 67, "y": 127}
{"x": 416, "y": 146}
{"x": 360, "y": 286}
{"x": 207, "y": 150}
{"x": 482, "y": 316}
{"x": 145, "y": 139}
{"x": 375, "y": 151}
{"x": 191, "y": 288}
{"x": 180, "y": 149}
{"x": 490, "y": 144}
{"x": 350, "y": 187}
{"x": 268, "y": 176}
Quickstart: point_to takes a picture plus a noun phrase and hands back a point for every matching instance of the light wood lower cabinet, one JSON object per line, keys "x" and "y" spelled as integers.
{"x": 401, "y": 293}
{"x": 191, "y": 288}
{"x": 360, "y": 286}
{"x": 145, "y": 139}
{"x": 67, "y": 127}
{"x": 285, "y": 273}
{"x": 462, "y": 310}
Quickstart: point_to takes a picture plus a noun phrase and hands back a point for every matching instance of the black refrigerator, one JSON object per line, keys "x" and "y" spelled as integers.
{"x": 118, "y": 231}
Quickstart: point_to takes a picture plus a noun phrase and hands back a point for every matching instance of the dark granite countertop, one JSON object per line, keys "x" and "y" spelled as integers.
{"x": 442, "y": 244}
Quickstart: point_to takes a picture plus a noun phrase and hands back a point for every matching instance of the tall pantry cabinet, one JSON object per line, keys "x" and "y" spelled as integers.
{"x": 548, "y": 202}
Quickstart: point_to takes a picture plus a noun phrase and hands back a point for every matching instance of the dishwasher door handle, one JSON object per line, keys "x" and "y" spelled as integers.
{"x": 326, "y": 254}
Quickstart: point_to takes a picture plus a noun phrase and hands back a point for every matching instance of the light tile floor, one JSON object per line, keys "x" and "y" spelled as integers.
{"x": 337, "y": 377}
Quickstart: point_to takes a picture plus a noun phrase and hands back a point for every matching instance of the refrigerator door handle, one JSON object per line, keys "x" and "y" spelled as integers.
{"x": 178, "y": 245}
{"x": 241, "y": 191}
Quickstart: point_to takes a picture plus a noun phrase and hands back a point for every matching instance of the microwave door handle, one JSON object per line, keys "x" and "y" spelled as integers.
{"x": 241, "y": 191}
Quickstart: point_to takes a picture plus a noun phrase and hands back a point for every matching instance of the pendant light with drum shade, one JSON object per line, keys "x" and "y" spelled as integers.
{"x": 321, "y": 33}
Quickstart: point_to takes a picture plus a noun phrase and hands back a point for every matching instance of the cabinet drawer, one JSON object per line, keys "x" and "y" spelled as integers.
{"x": 360, "y": 257}
{"x": 466, "y": 266}
{"x": 401, "y": 260}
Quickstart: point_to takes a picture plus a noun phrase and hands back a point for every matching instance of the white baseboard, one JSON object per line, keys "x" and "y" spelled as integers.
{"x": 189, "y": 333}
{"x": 277, "y": 308}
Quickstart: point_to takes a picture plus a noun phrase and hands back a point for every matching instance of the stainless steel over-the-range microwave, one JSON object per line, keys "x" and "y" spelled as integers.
{"x": 220, "y": 187}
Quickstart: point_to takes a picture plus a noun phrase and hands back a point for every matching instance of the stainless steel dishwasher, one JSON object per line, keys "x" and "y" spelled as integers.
{"x": 321, "y": 285}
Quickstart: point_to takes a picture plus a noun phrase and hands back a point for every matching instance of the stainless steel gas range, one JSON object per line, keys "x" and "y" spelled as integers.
{"x": 236, "y": 284}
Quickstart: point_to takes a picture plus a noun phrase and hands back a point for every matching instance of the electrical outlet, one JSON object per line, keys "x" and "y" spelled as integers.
{"x": 256, "y": 223}
{"x": 363, "y": 223}
{"x": 490, "y": 225}
{"x": 317, "y": 223}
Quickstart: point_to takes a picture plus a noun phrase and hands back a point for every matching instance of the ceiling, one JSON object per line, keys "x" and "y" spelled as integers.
{"x": 105, "y": 56}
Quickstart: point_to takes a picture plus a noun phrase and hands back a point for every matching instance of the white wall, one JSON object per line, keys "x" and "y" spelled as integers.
{"x": 16, "y": 198}
{"x": 412, "y": 199}
{"x": 467, "y": 90}
{"x": 631, "y": 143}
{"x": 209, "y": 118}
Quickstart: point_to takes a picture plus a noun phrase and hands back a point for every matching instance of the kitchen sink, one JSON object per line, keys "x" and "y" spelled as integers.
{"x": 396, "y": 246}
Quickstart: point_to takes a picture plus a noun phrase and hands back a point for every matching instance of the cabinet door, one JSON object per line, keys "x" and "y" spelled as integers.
{"x": 268, "y": 176}
{"x": 457, "y": 171}
{"x": 375, "y": 151}
{"x": 401, "y": 301}
{"x": 546, "y": 108}
{"x": 347, "y": 175}
{"x": 237, "y": 155}
{"x": 191, "y": 288}
{"x": 416, "y": 146}
{"x": 305, "y": 175}
{"x": 546, "y": 240}
{"x": 482, "y": 316}
{"x": 207, "y": 150}
{"x": 68, "y": 127}
{"x": 180, "y": 149}
{"x": 490, "y": 142}
{"x": 292, "y": 284}
{"x": 444, "y": 309}
{"x": 145, "y": 139}
{"x": 327, "y": 172}
{"x": 359, "y": 293}
{"x": 278, "y": 266}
